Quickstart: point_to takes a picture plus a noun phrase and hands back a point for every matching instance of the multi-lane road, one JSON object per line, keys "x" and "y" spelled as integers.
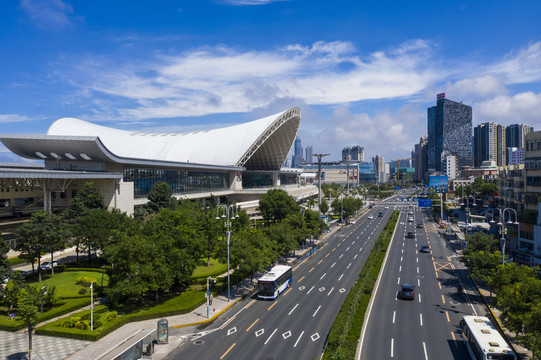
{"x": 295, "y": 325}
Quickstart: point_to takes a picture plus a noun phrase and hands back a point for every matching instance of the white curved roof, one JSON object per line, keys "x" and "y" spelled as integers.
{"x": 257, "y": 145}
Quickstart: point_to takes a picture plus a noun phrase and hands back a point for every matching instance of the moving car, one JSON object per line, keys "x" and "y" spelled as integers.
{"x": 46, "y": 265}
{"x": 442, "y": 225}
{"x": 380, "y": 214}
{"x": 425, "y": 249}
{"x": 410, "y": 219}
{"x": 420, "y": 225}
{"x": 370, "y": 217}
{"x": 411, "y": 234}
{"x": 407, "y": 292}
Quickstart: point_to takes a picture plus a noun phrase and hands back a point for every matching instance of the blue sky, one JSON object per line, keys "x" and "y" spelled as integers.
{"x": 362, "y": 72}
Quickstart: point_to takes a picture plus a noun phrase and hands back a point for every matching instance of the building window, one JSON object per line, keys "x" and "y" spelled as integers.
{"x": 180, "y": 181}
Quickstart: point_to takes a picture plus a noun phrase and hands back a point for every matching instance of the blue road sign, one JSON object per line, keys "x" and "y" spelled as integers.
{"x": 425, "y": 203}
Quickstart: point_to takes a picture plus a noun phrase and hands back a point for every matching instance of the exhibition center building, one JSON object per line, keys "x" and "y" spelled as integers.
{"x": 235, "y": 161}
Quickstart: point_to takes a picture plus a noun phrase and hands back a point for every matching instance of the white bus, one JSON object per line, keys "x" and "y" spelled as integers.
{"x": 275, "y": 282}
{"x": 483, "y": 340}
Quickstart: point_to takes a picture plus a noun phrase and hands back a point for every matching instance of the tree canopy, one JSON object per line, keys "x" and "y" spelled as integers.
{"x": 276, "y": 205}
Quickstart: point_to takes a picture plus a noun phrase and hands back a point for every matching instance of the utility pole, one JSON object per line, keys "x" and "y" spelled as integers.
{"x": 319, "y": 156}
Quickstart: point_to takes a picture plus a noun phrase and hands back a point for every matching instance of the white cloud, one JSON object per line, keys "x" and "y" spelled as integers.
{"x": 478, "y": 87}
{"x": 49, "y": 13}
{"x": 223, "y": 80}
{"x": 11, "y": 118}
{"x": 523, "y": 108}
{"x": 523, "y": 67}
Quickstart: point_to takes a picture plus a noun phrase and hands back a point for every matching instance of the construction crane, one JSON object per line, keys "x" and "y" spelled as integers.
{"x": 398, "y": 166}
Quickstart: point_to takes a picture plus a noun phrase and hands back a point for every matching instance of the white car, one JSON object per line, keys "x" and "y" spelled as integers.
{"x": 46, "y": 265}
{"x": 371, "y": 217}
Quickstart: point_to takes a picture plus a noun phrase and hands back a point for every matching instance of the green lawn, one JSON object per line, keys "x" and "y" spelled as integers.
{"x": 215, "y": 268}
{"x": 65, "y": 282}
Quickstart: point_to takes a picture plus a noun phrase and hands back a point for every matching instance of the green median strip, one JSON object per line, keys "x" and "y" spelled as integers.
{"x": 346, "y": 328}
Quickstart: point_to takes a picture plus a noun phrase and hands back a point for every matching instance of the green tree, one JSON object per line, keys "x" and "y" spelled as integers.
{"x": 5, "y": 268}
{"x": 314, "y": 224}
{"x": 324, "y": 207}
{"x": 276, "y": 204}
{"x": 52, "y": 234}
{"x": 27, "y": 311}
{"x": 29, "y": 242}
{"x": 211, "y": 231}
{"x": 160, "y": 197}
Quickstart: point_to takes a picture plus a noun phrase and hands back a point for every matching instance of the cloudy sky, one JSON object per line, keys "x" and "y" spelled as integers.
{"x": 362, "y": 72}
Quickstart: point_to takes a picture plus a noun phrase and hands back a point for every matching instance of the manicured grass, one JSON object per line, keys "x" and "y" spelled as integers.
{"x": 16, "y": 261}
{"x": 65, "y": 282}
{"x": 215, "y": 267}
{"x": 184, "y": 303}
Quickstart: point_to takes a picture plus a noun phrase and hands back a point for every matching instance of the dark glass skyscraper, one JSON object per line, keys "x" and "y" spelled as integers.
{"x": 449, "y": 129}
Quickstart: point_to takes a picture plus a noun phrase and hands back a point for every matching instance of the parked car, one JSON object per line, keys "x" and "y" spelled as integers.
{"x": 425, "y": 249}
{"x": 46, "y": 265}
{"x": 407, "y": 292}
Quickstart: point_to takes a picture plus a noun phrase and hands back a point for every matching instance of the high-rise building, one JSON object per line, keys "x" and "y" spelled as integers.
{"x": 355, "y": 153}
{"x": 449, "y": 129}
{"x": 309, "y": 154}
{"x": 515, "y": 135}
{"x": 297, "y": 158}
{"x": 419, "y": 156}
{"x": 379, "y": 163}
{"x": 489, "y": 144}
{"x": 449, "y": 165}
{"x": 515, "y": 156}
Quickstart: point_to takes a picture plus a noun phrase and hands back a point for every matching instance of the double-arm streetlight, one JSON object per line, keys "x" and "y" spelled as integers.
{"x": 228, "y": 212}
{"x": 501, "y": 220}
{"x": 468, "y": 206}
{"x": 208, "y": 293}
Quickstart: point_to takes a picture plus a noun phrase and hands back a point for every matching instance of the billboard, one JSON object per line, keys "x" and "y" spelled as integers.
{"x": 439, "y": 182}
{"x": 425, "y": 203}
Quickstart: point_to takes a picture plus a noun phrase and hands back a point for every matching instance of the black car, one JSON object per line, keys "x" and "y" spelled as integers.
{"x": 425, "y": 249}
{"x": 411, "y": 234}
{"x": 420, "y": 225}
{"x": 407, "y": 292}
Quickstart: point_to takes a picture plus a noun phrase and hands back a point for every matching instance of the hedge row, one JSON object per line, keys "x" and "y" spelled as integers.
{"x": 62, "y": 307}
{"x": 346, "y": 329}
{"x": 182, "y": 304}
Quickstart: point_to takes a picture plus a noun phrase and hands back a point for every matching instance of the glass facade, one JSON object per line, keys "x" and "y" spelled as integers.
{"x": 255, "y": 180}
{"x": 180, "y": 181}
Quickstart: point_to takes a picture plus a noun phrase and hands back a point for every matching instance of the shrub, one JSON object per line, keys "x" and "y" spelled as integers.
{"x": 82, "y": 291}
{"x": 110, "y": 316}
{"x": 84, "y": 281}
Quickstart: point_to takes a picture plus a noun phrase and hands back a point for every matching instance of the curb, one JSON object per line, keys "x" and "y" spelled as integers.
{"x": 210, "y": 319}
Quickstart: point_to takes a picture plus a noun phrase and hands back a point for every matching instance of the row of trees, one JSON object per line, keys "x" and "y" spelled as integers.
{"x": 517, "y": 289}
{"x": 159, "y": 250}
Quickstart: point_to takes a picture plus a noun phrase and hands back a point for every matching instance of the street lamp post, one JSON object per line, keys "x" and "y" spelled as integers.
{"x": 319, "y": 156}
{"x": 501, "y": 225}
{"x": 208, "y": 294}
{"x": 91, "y": 307}
{"x": 228, "y": 211}
{"x": 43, "y": 293}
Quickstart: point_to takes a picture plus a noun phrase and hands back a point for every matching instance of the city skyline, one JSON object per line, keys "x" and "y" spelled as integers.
{"x": 358, "y": 77}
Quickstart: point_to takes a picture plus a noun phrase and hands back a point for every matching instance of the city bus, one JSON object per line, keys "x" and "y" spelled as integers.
{"x": 274, "y": 282}
{"x": 483, "y": 341}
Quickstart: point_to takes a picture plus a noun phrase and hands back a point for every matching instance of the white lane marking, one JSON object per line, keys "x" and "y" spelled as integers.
{"x": 352, "y": 244}
{"x": 417, "y": 269}
{"x": 333, "y": 264}
{"x": 421, "y": 319}
{"x": 321, "y": 278}
{"x": 231, "y": 331}
{"x": 394, "y": 315}
{"x": 316, "y": 311}
{"x": 361, "y": 249}
{"x": 270, "y": 336}
{"x": 293, "y": 309}
{"x": 314, "y": 337}
{"x": 392, "y": 345}
{"x": 358, "y": 237}
{"x": 424, "y": 347}
{"x": 342, "y": 290}
{"x": 355, "y": 257}
{"x": 402, "y": 251}
{"x": 340, "y": 278}
{"x": 341, "y": 256}
{"x": 398, "y": 282}
{"x": 309, "y": 290}
{"x": 417, "y": 259}
{"x": 330, "y": 291}
{"x": 296, "y": 342}
{"x": 259, "y": 332}
{"x": 347, "y": 248}
{"x": 348, "y": 266}
{"x": 401, "y": 258}
{"x": 419, "y": 297}
{"x": 286, "y": 334}
{"x": 418, "y": 282}
{"x": 400, "y": 268}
